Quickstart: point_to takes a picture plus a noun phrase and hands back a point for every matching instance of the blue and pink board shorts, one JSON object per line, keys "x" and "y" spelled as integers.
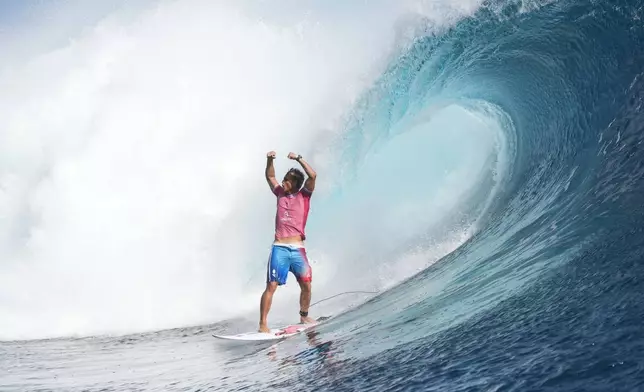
{"x": 285, "y": 258}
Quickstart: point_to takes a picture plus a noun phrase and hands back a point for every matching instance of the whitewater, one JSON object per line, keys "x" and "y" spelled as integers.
{"x": 134, "y": 156}
{"x": 476, "y": 223}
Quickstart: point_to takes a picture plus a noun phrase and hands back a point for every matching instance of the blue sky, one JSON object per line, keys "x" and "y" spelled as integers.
{"x": 12, "y": 10}
{"x": 20, "y": 12}
{"x": 34, "y": 25}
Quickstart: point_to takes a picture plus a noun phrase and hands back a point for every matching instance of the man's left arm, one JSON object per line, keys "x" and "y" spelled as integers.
{"x": 309, "y": 184}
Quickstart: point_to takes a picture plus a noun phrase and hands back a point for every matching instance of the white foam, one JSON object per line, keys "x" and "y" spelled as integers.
{"x": 132, "y": 195}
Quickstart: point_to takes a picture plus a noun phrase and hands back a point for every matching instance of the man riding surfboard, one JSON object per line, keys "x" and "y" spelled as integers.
{"x": 288, "y": 253}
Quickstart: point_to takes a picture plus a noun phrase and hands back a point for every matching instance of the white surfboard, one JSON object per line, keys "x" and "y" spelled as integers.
{"x": 275, "y": 334}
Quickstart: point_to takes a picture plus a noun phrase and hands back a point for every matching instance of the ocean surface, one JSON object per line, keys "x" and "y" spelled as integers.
{"x": 478, "y": 223}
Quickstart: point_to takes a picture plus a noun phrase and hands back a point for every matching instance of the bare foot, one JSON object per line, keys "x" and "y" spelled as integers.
{"x": 306, "y": 320}
{"x": 263, "y": 328}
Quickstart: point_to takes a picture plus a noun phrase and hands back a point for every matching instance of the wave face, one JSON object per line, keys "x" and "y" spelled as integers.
{"x": 545, "y": 293}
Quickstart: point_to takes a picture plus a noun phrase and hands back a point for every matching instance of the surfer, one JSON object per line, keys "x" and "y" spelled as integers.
{"x": 288, "y": 252}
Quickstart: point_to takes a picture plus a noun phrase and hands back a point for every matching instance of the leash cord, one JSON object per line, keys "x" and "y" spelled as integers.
{"x": 346, "y": 292}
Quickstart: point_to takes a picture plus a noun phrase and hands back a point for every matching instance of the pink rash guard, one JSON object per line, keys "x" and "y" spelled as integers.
{"x": 292, "y": 212}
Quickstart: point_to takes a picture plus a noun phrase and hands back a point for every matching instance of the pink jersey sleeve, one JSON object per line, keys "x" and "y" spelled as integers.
{"x": 306, "y": 193}
{"x": 278, "y": 190}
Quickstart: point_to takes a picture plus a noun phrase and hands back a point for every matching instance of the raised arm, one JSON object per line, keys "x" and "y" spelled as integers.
{"x": 270, "y": 171}
{"x": 309, "y": 184}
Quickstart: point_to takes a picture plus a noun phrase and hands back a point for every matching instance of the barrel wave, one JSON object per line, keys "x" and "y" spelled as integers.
{"x": 555, "y": 264}
{"x": 482, "y": 179}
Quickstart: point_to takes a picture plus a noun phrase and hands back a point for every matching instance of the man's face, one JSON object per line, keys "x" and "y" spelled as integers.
{"x": 287, "y": 184}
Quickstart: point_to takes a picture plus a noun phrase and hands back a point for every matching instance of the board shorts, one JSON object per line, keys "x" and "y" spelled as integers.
{"x": 285, "y": 258}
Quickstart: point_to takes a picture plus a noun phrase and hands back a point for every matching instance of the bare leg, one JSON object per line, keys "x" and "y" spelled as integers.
{"x": 265, "y": 305}
{"x": 305, "y": 300}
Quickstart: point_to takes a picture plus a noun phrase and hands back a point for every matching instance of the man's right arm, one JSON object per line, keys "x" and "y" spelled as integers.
{"x": 270, "y": 171}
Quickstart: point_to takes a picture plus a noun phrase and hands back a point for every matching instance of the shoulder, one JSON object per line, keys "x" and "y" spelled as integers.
{"x": 278, "y": 190}
{"x": 305, "y": 193}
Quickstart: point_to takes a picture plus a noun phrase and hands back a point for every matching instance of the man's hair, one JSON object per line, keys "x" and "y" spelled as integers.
{"x": 297, "y": 177}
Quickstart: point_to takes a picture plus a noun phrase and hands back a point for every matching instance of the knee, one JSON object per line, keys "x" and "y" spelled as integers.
{"x": 271, "y": 287}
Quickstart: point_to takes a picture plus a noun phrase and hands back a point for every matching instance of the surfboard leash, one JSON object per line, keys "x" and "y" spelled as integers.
{"x": 343, "y": 293}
